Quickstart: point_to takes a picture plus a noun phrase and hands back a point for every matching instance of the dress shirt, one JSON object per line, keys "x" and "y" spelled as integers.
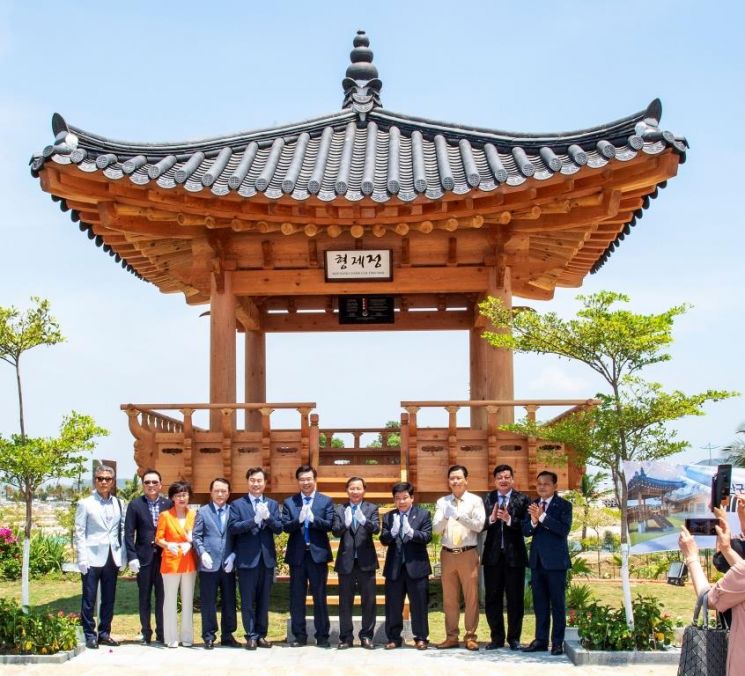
{"x": 500, "y": 500}
{"x": 462, "y": 531}
{"x": 107, "y": 507}
{"x": 222, "y": 515}
{"x": 546, "y": 503}
{"x": 154, "y": 508}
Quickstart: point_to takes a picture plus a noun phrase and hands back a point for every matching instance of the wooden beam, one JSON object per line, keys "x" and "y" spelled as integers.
{"x": 308, "y": 322}
{"x": 434, "y": 279}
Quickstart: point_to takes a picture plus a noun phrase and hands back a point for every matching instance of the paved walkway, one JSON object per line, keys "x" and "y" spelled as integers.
{"x": 135, "y": 659}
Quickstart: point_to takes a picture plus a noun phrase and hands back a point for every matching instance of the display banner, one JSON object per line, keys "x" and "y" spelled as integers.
{"x": 661, "y": 496}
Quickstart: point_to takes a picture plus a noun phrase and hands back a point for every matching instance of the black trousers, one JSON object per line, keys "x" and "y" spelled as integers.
{"x": 149, "y": 579}
{"x": 362, "y": 582}
{"x": 256, "y": 587}
{"x": 209, "y": 583}
{"x": 549, "y": 602}
{"x": 500, "y": 581}
{"x": 106, "y": 575}
{"x": 418, "y": 592}
{"x": 316, "y": 575}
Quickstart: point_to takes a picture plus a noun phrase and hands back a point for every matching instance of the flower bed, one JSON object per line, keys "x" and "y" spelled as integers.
{"x": 35, "y": 632}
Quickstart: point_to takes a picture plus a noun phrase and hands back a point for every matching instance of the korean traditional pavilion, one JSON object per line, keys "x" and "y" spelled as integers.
{"x": 258, "y": 226}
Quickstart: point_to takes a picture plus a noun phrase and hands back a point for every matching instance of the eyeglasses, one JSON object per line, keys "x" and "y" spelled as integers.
{"x": 151, "y": 483}
{"x": 104, "y": 478}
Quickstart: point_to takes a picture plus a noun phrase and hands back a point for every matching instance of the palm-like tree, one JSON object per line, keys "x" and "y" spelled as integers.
{"x": 131, "y": 489}
{"x": 735, "y": 452}
{"x": 590, "y": 490}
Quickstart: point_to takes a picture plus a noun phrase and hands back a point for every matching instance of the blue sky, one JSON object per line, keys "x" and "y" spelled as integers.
{"x": 175, "y": 71}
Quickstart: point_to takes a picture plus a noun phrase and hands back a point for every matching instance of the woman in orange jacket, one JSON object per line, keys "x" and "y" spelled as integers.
{"x": 178, "y": 564}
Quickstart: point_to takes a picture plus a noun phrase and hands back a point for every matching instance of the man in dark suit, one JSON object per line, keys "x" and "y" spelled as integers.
{"x": 355, "y": 522}
{"x": 214, "y": 547}
{"x": 504, "y": 558}
{"x": 549, "y": 521}
{"x": 143, "y": 554}
{"x": 308, "y": 516}
{"x": 406, "y": 532}
{"x": 254, "y": 521}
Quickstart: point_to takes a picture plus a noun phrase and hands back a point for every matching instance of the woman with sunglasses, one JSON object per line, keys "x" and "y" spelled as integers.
{"x": 178, "y": 564}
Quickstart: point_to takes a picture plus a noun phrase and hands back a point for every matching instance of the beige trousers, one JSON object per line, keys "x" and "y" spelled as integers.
{"x": 171, "y": 584}
{"x": 460, "y": 573}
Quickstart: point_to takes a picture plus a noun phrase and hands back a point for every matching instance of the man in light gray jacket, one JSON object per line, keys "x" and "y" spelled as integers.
{"x": 214, "y": 547}
{"x": 99, "y": 529}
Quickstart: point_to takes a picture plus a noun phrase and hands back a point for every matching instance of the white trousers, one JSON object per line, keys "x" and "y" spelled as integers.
{"x": 171, "y": 584}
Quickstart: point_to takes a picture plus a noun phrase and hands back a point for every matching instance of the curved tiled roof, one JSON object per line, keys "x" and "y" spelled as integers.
{"x": 363, "y": 151}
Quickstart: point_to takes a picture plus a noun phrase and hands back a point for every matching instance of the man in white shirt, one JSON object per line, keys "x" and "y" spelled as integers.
{"x": 99, "y": 528}
{"x": 459, "y": 517}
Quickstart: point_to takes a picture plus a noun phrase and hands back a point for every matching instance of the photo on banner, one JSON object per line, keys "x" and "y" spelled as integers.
{"x": 661, "y": 496}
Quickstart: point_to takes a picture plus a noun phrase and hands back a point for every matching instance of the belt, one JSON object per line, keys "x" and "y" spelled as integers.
{"x": 459, "y": 550}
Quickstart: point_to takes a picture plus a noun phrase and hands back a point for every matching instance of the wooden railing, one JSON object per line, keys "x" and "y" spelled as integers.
{"x": 146, "y": 421}
{"x": 410, "y": 429}
{"x": 358, "y": 454}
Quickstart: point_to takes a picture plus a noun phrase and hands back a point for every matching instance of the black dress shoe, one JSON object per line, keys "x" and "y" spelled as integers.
{"x": 323, "y": 643}
{"x": 107, "y": 640}
{"x": 230, "y": 643}
{"x": 91, "y": 644}
{"x": 535, "y": 647}
{"x": 494, "y": 646}
{"x": 251, "y": 644}
{"x": 263, "y": 643}
{"x": 343, "y": 645}
{"x": 367, "y": 644}
{"x": 209, "y": 644}
{"x": 557, "y": 650}
{"x": 299, "y": 643}
{"x": 514, "y": 645}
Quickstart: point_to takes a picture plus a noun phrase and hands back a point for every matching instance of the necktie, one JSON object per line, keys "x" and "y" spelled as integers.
{"x": 306, "y": 525}
{"x": 354, "y": 517}
{"x": 502, "y": 503}
{"x": 543, "y": 505}
{"x": 220, "y": 512}
{"x": 457, "y": 534}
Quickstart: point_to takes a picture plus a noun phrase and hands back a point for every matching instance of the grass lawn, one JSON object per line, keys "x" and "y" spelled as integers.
{"x": 54, "y": 594}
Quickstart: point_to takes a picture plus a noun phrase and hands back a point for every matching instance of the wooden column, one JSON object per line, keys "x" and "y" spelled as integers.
{"x": 222, "y": 345}
{"x": 499, "y": 374}
{"x": 477, "y": 359}
{"x": 255, "y": 376}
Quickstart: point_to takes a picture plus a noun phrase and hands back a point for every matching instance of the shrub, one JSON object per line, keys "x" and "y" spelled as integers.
{"x": 578, "y": 596}
{"x": 604, "y": 628}
{"x": 47, "y": 555}
{"x": 35, "y": 633}
{"x": 10, "y": 555}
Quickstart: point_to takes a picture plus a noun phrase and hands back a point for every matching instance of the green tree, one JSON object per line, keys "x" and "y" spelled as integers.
{"x": 27, "y": 462}
{"x": 591, "y": 489}
{"x": 735, "y": 452}
{"x": 598, "y": 518}
{"x": 131, "y": 489}
{"x": 394, "y": 437}
{"x": 20, "y": 332}
{"x": 631, "y": 420}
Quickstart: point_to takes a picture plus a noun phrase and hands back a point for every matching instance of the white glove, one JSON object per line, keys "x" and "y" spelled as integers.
{"x": 206, "y": 560}
{"x": 309, "y": 515}
{"x": 406, "y": 526}
{"x": 396, "y": 525}
{"x": 262, "y": 511}
{"x": 303, "y": 516}
{"x": 173, "y": 547}
{"x": 229, "y": 563}
{"x": 185, "y": 547}
{"x": 347, "y": 516}
{"x": 83, "y": 568}
{"x": 361, "y": 519}
{"x": 134, "y": 566}
{"x": 449, "y": 511}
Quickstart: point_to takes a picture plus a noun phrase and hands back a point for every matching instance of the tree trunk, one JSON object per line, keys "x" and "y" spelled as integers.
{"x": 25, "y": 602}
{"x": 619, "y": 481}
{"x": 20, "y": 400}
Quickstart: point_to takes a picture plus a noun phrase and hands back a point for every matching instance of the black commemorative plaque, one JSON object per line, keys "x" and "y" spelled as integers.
{"x": 365, "y": 309}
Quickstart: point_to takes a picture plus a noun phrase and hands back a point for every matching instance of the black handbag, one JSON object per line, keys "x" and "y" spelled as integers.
{"x": 704, "y": 649}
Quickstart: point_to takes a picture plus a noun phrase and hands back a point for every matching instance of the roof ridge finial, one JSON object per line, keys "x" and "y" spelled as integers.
{"x": 361, "y": 85}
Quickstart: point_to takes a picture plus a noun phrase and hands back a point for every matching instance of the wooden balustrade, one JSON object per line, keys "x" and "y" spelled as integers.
{"x": 429, "y": 451}
{"x": 179, "y": 449}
